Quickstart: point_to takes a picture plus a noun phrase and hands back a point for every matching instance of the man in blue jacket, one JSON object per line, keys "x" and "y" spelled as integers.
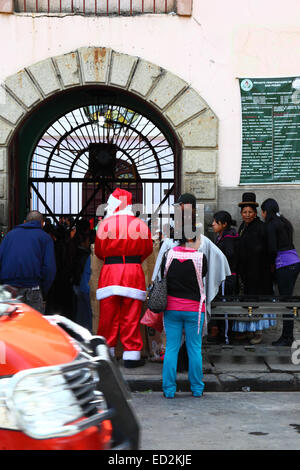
{"x": 27, "y": 260}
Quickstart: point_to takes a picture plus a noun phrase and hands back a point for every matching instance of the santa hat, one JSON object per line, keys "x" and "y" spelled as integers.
{"x": 119, "y": 202}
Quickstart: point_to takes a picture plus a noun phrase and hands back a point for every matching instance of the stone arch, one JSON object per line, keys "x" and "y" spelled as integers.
{"x": 187, "y": 114}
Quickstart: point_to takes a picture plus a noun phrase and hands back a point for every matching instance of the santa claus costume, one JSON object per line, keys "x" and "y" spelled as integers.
{"x": 123, "y": 242}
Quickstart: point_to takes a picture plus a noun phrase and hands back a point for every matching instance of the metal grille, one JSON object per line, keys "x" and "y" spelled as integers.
{"x": 96, "y": 7}
{"x": 60, "y": 179}
{"x": 83, "y": 384}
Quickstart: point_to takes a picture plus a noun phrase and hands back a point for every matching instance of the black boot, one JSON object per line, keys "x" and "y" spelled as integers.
{"x": 282, "y": 341}
{"x": 130, "y": 364}
{"x": 287, "y": 335}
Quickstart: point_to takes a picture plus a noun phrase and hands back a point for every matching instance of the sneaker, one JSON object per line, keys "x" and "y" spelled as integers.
{"x": 257, "y": 338}
{"x": 168, "y": 396}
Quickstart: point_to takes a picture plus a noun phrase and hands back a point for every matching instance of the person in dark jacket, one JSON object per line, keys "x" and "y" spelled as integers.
{"x": 284, "y": 258}
{"x": 227, "y": 241}
{"x": 27, "y": 260}
{"x": 61, "y": 291}
{"x": 81, "y": 277}
{"x": 253, "y": 265}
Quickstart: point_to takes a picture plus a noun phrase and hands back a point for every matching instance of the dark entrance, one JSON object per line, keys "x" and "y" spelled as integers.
{"x": 123, "y": 172}
{"x": 53, "y": 158}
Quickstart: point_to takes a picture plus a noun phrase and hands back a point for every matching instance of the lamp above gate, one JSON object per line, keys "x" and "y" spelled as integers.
{"x": 102, "y": 159}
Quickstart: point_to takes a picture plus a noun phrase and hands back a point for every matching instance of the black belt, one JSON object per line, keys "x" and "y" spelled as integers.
{"x": 123, "y": 260}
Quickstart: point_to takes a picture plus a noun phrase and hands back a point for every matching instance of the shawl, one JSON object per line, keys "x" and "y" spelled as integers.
{"x": 217, "y": 266}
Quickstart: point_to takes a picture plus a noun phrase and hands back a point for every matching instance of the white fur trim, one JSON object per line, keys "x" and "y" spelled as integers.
{"x": 113, "y": 203}
{"x": 126, "y": 211}
{"x": 131, "y": 355}
{"x": 124, "y": 291}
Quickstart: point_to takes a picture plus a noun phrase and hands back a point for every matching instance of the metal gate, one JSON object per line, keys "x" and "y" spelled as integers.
{"x": 63, "y": 179}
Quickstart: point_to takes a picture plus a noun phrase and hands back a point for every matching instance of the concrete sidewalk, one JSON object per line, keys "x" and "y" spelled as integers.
{"x": 234, "y": 368}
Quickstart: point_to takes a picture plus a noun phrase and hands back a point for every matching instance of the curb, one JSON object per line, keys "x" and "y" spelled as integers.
{"x": 229, "y": 382}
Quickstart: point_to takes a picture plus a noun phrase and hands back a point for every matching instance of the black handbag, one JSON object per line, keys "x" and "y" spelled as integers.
{"x": 157, "y": 296}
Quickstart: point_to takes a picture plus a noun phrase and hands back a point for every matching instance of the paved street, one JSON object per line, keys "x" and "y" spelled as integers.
{"x": 223, "y": 421}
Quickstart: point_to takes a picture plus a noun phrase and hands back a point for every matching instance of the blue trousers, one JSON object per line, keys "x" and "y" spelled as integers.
{"x": 175, "y": 321}
{"x": 84, "y": 314}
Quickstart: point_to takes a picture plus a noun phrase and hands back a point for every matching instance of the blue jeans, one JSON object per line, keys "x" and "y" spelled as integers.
{"x": 33, "y": 298}
{"x": 175, "y": 321}
{"x": 84, "y": 314}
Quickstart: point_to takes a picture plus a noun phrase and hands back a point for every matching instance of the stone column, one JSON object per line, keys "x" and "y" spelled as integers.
{"x": 3, "y": 189}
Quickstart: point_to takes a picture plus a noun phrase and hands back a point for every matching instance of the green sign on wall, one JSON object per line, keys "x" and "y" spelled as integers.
{"x": 270, "y": 130}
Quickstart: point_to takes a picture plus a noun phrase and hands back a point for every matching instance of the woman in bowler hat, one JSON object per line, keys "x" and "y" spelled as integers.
{"x": 253, "y": 265}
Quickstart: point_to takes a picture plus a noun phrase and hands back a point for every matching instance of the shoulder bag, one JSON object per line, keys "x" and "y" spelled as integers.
{"x": 157, "y": 296}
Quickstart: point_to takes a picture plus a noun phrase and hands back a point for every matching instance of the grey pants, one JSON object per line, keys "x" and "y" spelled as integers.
{"x": 31, "y": 297}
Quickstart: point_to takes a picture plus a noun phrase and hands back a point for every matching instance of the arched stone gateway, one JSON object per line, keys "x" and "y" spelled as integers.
{"x": 186, "y": 115}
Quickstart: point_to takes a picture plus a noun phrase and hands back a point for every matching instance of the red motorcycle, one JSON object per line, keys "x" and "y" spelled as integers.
{"x": 59, "y": 387}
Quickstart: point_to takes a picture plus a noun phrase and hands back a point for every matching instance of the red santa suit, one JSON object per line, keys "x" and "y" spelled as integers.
{"x": 123, "y": 241}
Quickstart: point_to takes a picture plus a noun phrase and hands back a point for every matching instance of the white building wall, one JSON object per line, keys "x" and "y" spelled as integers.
{"x": 220, "y": 42}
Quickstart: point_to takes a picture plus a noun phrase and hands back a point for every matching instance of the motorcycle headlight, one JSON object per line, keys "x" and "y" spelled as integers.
{"x": 7, "y": 419}
{"x": 41, "y": 403}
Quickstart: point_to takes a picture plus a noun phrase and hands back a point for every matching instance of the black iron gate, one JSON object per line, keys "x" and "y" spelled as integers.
{"x": 88, "y": 152}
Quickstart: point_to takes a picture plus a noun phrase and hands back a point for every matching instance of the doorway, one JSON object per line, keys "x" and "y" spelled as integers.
{"x": 52, "y": 155}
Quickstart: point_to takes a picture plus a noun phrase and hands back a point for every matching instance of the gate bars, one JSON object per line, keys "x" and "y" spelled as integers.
{"x": 96, "y": 7}
{"x": 60, "y": 180}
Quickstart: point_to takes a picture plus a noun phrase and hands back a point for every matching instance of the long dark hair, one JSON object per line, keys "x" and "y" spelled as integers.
{"x": 271, "y": 207}
{"x": 196, "y": 231}
{"x": 225, "y": 218}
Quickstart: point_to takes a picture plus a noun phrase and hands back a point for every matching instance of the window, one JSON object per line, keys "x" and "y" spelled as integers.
{"x": 96, "y": 7}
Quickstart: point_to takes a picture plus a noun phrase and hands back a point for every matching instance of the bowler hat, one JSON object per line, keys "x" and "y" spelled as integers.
{"x": 249, "y": 199}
